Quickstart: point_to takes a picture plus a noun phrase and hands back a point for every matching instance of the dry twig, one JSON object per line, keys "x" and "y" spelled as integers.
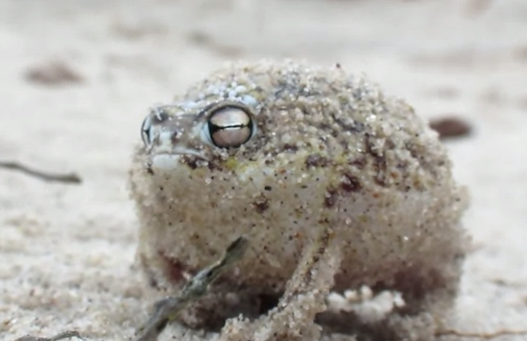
{"x": 64, "y": 178}
{"x": 484, "y": 336}
{"x": 65, "y": 335}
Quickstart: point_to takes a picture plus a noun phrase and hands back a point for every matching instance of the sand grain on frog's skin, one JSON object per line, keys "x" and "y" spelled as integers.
{"x": 331, "y": 152}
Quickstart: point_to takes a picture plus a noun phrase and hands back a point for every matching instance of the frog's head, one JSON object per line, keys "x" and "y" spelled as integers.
{"x": 227, "y": 134}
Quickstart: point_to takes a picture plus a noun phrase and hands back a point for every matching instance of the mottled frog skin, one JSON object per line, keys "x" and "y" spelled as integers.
{"x": 279, "y": 151}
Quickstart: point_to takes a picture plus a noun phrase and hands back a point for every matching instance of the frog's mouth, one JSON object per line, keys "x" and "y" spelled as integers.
{"x": 164, "y": 159}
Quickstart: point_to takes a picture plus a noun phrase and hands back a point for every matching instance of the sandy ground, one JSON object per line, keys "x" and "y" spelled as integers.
{"x": 66, "y": 251}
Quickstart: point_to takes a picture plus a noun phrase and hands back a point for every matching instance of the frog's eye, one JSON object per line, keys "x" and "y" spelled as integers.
{"x": 145, "y": 130}
{"x": 156, "y": 116}
{"x": 230, "y": 127}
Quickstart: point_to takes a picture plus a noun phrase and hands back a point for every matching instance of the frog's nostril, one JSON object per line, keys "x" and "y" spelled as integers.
{"x": 176, "y": 136}
{"x": 160, "y": 116}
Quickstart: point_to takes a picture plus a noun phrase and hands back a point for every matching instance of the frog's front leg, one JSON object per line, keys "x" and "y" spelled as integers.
{"x": 305, "y": 295}
{"x": 168, "y": 309}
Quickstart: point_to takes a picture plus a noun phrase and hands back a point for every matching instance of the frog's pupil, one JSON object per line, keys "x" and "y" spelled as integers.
{"x": 229, "y": 127}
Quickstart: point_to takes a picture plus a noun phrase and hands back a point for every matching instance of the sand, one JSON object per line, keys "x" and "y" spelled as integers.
{"x": 67, "y": 251}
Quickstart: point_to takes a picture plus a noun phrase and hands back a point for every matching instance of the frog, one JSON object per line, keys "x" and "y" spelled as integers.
{"x": 336, "y": 184}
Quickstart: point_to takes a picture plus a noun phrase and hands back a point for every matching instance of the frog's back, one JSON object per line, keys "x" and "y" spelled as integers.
{"x": 333, "y": 119}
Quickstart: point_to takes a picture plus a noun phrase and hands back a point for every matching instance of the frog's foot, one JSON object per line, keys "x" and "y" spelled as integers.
{"x": 429, "y": 293}
{"x": 212, "y": 311}
{"x": 305, "y": 296}
{"x": 419, "y": 298}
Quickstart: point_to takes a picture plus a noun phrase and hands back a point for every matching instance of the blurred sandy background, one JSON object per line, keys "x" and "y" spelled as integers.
{"x": 77, "y": 78}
